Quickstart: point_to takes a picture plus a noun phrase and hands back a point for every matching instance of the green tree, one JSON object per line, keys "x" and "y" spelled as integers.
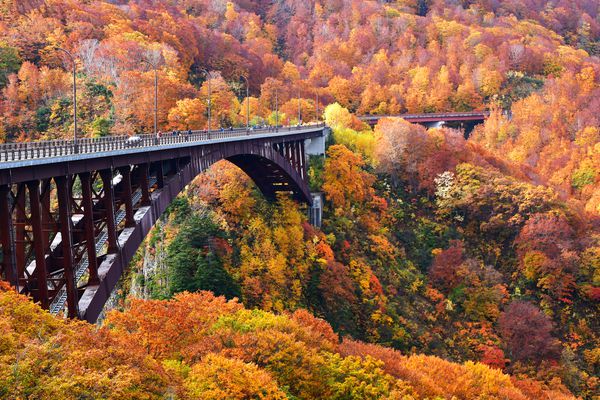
{"x": 10, "y": 62}
{"x": 193, "y": 262}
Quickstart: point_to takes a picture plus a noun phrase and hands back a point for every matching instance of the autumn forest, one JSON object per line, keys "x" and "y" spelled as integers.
{"x": 447, "y": 266}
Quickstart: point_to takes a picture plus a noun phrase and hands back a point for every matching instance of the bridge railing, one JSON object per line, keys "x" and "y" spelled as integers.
{"x": 441, "y": 115}
{"x": 60, "y": 148}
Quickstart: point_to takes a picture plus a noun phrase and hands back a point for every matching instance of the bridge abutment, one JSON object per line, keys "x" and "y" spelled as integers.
{"x": 315, "y": 210}
{"x": 317, "y": 146}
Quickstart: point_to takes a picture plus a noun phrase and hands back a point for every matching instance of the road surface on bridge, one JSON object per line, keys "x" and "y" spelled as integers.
{"x": 52, "y": 151}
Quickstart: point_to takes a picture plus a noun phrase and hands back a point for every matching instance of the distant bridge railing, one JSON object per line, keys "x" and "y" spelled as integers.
{"x": 429, "y": 117}
{"x": 58, "y": 148}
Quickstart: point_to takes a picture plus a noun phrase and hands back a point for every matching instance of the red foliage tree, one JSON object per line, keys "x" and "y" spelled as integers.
{"x": 527, "y": 333}
{"x": 446, "y": 263}
{"x": 547, "y": 250}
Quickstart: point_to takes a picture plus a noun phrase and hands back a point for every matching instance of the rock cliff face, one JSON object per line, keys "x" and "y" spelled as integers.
{"x": 148, "y": 278}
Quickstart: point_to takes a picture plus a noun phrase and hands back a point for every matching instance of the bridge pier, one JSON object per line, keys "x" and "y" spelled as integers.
{"x": 316, "y": 146}
{"x": 41, "y": 289}
{"x": 160, "y": 175}
{"x": 87, "y": 204}
{"x": 109, "y": 209}
{"x": 127, "y": 196}
{"x": 21, "y": 237}
{"x": 144, "y": 176}
{"x": 315, "y": 211}
{"x": 64, "y": 211}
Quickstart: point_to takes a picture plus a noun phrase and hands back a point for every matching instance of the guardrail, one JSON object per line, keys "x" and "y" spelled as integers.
{"x": 59, "y": 148}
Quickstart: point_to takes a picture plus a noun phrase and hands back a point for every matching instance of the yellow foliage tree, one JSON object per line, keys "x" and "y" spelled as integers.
{"x": 188, "y": 114}
{"x": 217, "y": 377}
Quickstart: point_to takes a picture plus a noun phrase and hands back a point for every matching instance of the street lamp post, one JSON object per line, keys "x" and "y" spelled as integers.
{"x": 247, "y": 103}
{"x": 155, "y": 96}
{"x": 317, "y": 106}
{"x": 299, "y": 109}
{"x": 276, "y": 112}
{"x": 209, "y": 95}
{"x": 68, "y": 53}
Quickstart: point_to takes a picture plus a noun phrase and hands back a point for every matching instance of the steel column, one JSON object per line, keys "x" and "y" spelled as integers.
{"x": 143, "y": 171}
{"x": 160, "y": 175}
{"x": 292, "y": 156}
{"x": 127, "y": 196}
{"x": 66, "y": 230}
{"x": 303, "y": 158}
{"x": 299, "y": 146}
{"x": 87, "y": 204}
{"x": 286, "y": 152}
{"x": 295, "y": 159}
{"x": 7, "y": 237}
{"x": 298, "y": 157}
{"x": 47, "y": 221}
{"x": 20, "y": 235}
{"x": 109, "y": 206}
{"x": 41, "y": 270}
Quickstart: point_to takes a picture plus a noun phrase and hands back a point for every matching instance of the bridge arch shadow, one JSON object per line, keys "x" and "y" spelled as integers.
{"x": 271, "y": 177}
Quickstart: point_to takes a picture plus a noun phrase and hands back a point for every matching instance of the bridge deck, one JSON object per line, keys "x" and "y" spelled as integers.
{"x": 26, "y": 154}
{"x": 433, "y": 117}
{"x": 21, "y": 162}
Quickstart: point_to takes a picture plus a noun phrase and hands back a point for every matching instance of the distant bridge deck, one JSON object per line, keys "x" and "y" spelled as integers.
{"x": 432, "y": 117}
{"x": 465, "y": 121}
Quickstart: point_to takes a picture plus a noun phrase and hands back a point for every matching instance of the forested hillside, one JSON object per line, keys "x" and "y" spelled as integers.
{"x": 484, "y": 250}
{"x": 442, "y": 251}
{"x": 370, "y": 57}
{"x": 198, "y": 346}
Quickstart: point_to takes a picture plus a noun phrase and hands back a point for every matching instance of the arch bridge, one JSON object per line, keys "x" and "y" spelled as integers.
{"x": 72, "y": 214}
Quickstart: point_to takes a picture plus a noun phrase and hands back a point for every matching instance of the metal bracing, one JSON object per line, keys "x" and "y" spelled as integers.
{"x": 126, "y": 196}
{"x": 23, "y": 247}
{"x": 109, "y": 209}
{"x": 89, "y": 226}
{"x": 143, "y": 177}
